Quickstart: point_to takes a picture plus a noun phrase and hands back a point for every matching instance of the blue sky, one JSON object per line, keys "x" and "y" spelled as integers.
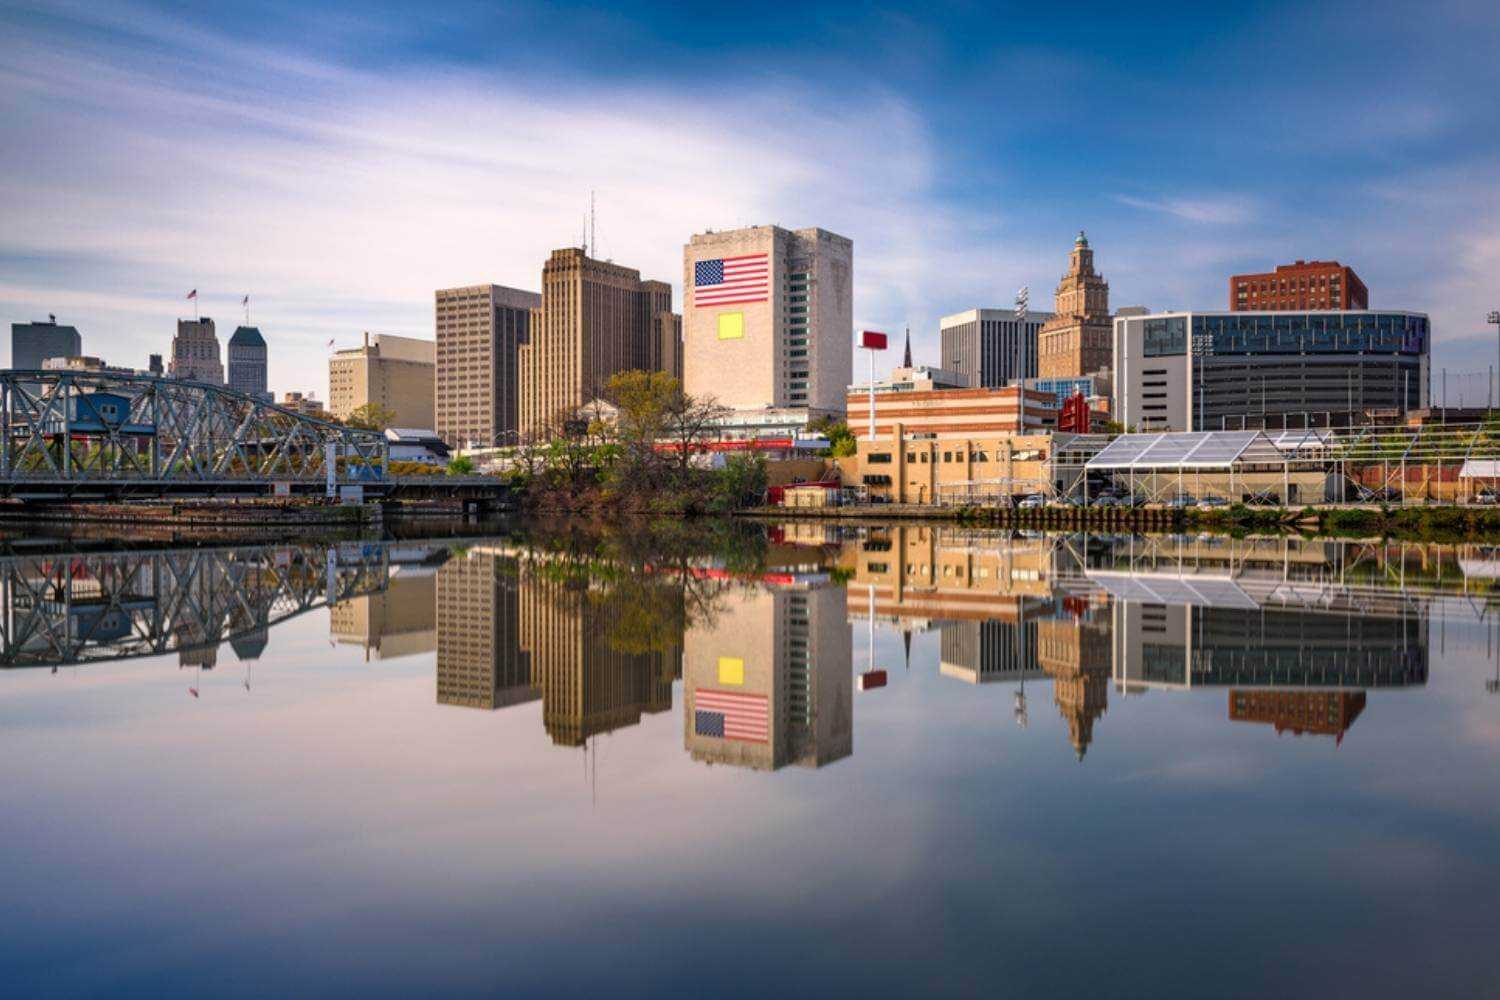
{"x": 338, "y": 162}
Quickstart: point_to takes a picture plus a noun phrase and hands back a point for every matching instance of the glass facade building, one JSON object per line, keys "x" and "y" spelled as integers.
{"x": 1211, "y": 371}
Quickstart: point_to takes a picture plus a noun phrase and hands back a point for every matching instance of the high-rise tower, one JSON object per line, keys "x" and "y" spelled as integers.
{"x": 1076, "y": 341}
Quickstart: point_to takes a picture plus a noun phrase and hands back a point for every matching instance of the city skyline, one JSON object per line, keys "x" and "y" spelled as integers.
{"x": 176, "y": 162}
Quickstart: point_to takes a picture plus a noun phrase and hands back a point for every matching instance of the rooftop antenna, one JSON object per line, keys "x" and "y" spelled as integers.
{"x": 585, "y": 239}
{"x": 593, "y": 225}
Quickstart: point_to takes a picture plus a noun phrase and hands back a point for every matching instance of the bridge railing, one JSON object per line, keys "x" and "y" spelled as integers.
{"x": 83, "y": 426}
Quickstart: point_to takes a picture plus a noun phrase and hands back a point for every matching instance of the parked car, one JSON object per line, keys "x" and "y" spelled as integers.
{"x": 1182, "y": 503}
{"x": 1212, "y": 502}
{"x": 1032, "y": 502}
{"x": 1487, "y": 495}
{"x": 1106, "y": 500}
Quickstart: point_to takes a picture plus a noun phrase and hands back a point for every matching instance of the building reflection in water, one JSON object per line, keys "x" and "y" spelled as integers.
{"x": 399, "y": 620}
{"x": 1322, "y": 713}
{"x": 511, "y": 632}
{"x": 1295, "y": 630}
{"x": 1300, "y": 629}
{"x": 768, "y": 680}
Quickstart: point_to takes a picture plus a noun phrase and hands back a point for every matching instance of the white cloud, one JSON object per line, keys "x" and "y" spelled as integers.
{"x": 339, "y": 200}
{"x": 1222, "y": 210}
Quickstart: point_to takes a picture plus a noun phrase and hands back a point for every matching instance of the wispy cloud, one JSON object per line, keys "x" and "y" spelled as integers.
{"x": 340, "y": 199}
{"x": 1223, "y": 210}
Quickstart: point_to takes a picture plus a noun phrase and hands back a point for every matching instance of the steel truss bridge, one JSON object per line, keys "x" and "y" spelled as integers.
{"x": 73, "y": 434}
{"x": 71, "y": 608}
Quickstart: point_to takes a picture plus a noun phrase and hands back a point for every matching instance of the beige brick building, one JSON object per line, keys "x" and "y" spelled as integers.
{"x": 595, "y": 318}
{"x": 480, "y": 329}
{"x": 769, "y": 318}
{"x": 1079, "y": 338}
{"x": 394, "y": 372}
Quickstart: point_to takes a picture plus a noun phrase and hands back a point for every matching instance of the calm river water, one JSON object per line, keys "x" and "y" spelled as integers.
{"x": 751, "y": 760}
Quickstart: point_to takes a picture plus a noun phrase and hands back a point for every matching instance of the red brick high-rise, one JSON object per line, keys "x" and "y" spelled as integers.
{"x": 1307, "y": 284}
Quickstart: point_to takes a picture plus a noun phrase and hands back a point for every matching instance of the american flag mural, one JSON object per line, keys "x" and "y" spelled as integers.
{"x": 731, "y": 716}
{"x": 726, "y": 281}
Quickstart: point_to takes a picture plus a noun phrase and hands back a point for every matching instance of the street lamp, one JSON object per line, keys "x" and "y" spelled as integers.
{"x": 1494, "y": 317}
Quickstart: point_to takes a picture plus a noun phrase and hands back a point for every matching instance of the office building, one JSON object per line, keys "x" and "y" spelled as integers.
{"x": 247, "y": 362}
{"x": 396, "y": 373}
{"x": 1076, "y": 340}
{"x": 480, "y": 662}
{"x": 195, "y": 352}
{"x": 998, "y": 467}
{"x": 1303, "y": 286}
{"x": 596, "y": 318}
{"x": 666, "y": 344}
{"x": 306, "y": 404}
{"x": 769, "y": 318}
{"x": 990, "y": 347}
{"x": 768, "y": 681}
{"x": 1229, "y": 370}
{"x": 33, "y": 343}
{"x": 480, "y": 330}
{"x": 154, "y": 366}
{"x": 919, "y": 402}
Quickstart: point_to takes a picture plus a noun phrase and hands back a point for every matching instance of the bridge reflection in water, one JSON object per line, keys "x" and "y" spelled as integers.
{"x": 72, "y": 608}
{"x": 1293, "y": 632}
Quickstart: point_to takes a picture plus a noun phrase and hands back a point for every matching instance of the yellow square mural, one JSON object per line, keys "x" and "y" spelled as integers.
{"x": 731, "y": 671}
{"x": 731, "y": 326}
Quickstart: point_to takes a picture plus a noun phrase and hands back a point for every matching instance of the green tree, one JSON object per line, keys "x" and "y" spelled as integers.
{"x": 841, "y": 440}
{"x": 460, "y": 465}
{"x": 371, "y": 417}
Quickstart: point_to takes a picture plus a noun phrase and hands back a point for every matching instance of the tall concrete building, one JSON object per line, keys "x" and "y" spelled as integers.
{"x": 1077, "y": 340}
{"x": 397, "y": 373}
{"x": 596, "y": 318}
{"x": 247, "y": 362}
{"x": 480, "y": 662}
{"x": 769, "y": 318}
{"x": 195, "y": 352}
{"x": 666, "y": 344}
{"x": 480, "y": 329}
{"x": 33, "y": 343}
{"x": 769, "y": 680}
{"x": 991, "y": 347}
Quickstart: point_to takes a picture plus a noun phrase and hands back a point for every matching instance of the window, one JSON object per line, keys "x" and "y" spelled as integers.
{"x": 879, "y": 458}
{"x": 911, "y": 458}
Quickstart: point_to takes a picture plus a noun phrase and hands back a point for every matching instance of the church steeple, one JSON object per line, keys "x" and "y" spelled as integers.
{"x": 906, "y": 363}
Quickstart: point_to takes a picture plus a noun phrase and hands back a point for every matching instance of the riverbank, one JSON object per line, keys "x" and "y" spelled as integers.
{"x": 1430, "y": 522}
{"x": 227, "y": 514}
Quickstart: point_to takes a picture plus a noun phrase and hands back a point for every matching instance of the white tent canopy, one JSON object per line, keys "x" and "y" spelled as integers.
{"x": 1480, "y": 468}
{"x": 1187, "y": 450}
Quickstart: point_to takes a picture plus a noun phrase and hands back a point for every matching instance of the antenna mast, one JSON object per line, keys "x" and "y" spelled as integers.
{"x": 593, "y": 227}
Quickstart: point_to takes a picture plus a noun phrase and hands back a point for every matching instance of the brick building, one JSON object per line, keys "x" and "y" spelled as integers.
{"x": 1306, "y": 284}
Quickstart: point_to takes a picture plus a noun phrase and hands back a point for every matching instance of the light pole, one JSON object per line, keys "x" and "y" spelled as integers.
{"x": 872, "y": 341}
{"x": 1494, "y": 317}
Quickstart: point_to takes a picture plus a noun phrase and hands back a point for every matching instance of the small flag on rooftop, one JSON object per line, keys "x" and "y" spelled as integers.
{"x": 193, "y": 294}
